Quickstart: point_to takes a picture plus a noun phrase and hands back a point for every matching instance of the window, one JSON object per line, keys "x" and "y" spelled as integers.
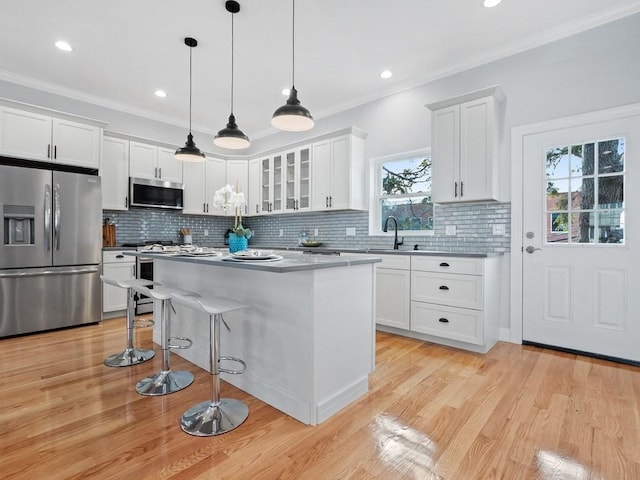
{"x": 402, "y": 189}
{"x": 585, "y": 193}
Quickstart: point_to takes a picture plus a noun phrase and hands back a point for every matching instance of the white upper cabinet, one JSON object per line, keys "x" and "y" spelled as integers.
{"x": 33, "y": 136}
{"x": 238, "y": 178}
{"x": 465, "y": 149}
{"x": 338, "y": 174}
{"x": 253, "y": 190}
{"x": 201, "y": 180}
{"x": 297, "y": 179}
{"x": 114, "y": 171}
{"x": 154, "y": 162}
{"x": 76, "y": 143}
{"x": 271, "y": 184}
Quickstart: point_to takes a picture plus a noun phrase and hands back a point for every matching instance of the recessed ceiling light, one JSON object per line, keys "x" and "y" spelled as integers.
{"x": 491, "y": 3}
{"x": 64, "y": 46}
{"x": 160, "y": 93}
{"x": 286, "y": 92}
{"x": 386, "y": 74}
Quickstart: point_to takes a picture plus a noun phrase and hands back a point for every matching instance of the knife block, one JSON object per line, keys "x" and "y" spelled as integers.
{"x": 108, "y": 235}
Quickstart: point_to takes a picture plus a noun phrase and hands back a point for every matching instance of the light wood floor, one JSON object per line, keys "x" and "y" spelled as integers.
{"x": 431, "y": 413}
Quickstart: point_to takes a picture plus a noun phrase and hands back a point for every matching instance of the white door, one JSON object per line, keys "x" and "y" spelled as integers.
{"x": 581, "y": 240}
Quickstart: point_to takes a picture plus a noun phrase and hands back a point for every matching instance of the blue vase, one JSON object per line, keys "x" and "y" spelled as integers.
{"x": 237, "y": 243}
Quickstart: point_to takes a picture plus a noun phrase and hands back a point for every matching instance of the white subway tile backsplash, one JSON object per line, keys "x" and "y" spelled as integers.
{"x": 474, "y": 228}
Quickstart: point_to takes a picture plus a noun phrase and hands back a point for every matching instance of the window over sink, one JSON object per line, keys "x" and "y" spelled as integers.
{"x": 402, "y": 188}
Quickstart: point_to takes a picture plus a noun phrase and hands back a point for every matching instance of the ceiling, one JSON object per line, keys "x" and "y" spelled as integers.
{"x": 124, "y": 50}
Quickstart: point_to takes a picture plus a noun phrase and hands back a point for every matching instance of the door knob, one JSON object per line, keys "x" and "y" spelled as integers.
{"x": 531, "y": 249}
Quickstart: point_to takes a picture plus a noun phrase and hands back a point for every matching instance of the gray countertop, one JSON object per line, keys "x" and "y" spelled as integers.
{"x": 379, "y": 251}
{"x": 369, "y": 251}
{"x": 290, "y": 262}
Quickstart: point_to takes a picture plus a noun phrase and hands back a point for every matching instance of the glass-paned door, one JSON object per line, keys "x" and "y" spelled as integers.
{"x": 580, "y": 258}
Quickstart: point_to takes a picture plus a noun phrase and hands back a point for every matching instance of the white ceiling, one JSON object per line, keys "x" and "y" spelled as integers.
{"x": 126, "y": 49}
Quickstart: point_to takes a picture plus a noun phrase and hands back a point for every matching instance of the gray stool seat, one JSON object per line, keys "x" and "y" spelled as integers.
{"x": 130, "y": 355}
{"x": 166, "y": 380}
{"x": 218, "y": 415}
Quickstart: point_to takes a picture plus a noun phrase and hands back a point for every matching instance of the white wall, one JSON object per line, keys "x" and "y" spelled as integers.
{"x": 596, "y": 69}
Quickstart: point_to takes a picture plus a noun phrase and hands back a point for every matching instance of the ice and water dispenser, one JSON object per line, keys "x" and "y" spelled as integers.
{"x": 19, "y": 222}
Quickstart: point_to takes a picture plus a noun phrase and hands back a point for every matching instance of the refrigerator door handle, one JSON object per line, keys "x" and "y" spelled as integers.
{"x": 47, "y": 217}
{"x": 48, "y": 272}
{"x": 56, "y": 216}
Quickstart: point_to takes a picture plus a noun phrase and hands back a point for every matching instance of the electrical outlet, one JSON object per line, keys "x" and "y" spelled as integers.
{"x": 281, "y": 233}
{"x": 499, "y": 229}
{"x": 315, "y": 232}
{"x": 351, "y": 232}
{"x": 206, "y": 232}
{"x": 450, "y": 230}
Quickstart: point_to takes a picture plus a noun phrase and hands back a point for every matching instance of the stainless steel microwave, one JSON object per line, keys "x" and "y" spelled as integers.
{"x": 145, "y": 192}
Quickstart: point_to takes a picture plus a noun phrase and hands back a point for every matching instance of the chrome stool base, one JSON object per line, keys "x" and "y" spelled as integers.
{"x": 207, "y": 418}
{"x": 163, "y": 383}
{"x": 131, "y": 356}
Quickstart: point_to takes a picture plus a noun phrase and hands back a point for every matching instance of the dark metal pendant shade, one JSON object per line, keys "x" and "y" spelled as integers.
{"x": 231, "y": 136}
{"x": 190, "y": 153}
{"x": 292, "y": 116}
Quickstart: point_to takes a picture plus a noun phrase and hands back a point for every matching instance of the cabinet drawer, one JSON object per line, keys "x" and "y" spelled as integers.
{"x": 447, "y": 289}
{"x": 469, "y": 266}
{"x": 397, "y": 262}
{"x": 116, "y": 256}
{"x": 448, "y": 322}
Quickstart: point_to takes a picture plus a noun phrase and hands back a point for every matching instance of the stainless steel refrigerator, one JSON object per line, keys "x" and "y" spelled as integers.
{"x": 50, "y": 249}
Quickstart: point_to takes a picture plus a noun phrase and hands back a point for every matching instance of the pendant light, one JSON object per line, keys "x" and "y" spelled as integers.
{"x": 190, "y": 153}
{"x": 231, "y": 136}
{"x": 292, "y": 116}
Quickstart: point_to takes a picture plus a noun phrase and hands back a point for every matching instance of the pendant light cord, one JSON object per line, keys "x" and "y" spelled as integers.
{"x": 232, "y": 55}
{"x": 293, "y": 44}
{"x": 190, "y": 83}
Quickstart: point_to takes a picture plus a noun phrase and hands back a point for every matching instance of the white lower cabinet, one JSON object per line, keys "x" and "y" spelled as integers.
{"x": 393, "y": 291}
{"x": 451, "y": 300}
{"x": 121, "y": 267}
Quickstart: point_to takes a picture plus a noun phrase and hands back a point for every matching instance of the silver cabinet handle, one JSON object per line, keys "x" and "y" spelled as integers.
{"x": 531, "y": 249}
{"x": 455, "y": 190}
{"x": 160, "y": 172}
{"x": 49, "y": 150}
{"x": 204, "y": 207}
{"x": 461, "y": 189}
{"x": 55, "y": 152}
{"x": 326, "y": 202}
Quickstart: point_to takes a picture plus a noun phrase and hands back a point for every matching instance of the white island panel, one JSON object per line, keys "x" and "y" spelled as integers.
{"x": 307, "y": 340}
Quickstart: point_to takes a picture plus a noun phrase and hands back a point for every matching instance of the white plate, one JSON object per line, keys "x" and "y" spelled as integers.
{"x": 256, "y": 258}
{"x": 253, "y": 254}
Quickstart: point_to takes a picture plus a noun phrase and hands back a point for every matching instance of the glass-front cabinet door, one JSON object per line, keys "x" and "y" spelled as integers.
{"x": 277, "y": 184}
{"x": 265, "y": 184}
{"x": 272, "y": 189}
{"x": 297, "y": 179}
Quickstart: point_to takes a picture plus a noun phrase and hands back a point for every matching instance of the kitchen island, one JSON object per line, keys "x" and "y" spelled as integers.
{"x": 309, "y": 337}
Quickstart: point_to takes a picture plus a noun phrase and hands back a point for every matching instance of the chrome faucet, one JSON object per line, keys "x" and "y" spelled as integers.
{"x": 395, "y": 229}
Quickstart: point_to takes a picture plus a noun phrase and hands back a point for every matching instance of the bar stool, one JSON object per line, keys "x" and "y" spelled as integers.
{"x": 131, "y": 355}
{"x": 165, "y": 381}
{"x": 215, "y": 416}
